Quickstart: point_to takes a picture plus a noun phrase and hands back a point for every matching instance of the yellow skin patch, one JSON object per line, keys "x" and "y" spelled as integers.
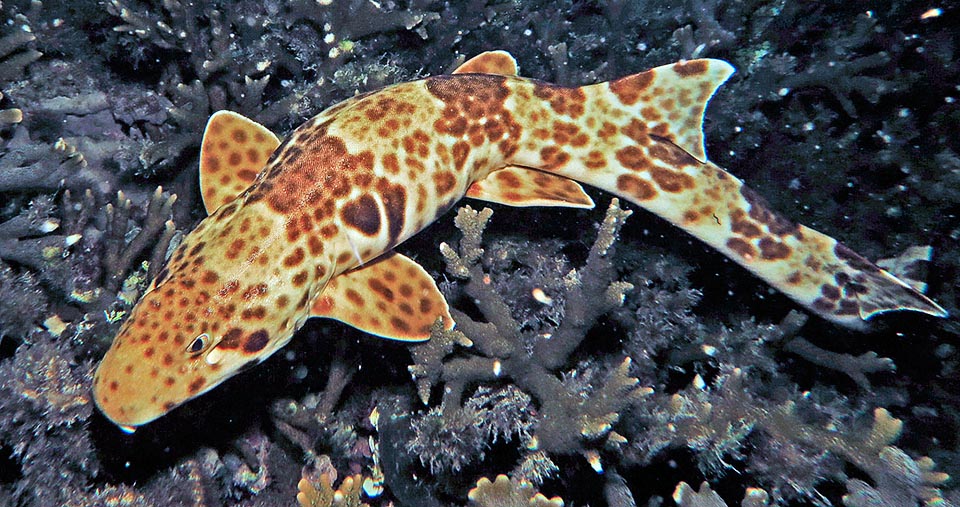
{"x": 306, "y": 228}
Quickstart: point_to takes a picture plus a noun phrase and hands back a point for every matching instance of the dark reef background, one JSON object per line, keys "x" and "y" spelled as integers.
{"x": 844, "y": 118}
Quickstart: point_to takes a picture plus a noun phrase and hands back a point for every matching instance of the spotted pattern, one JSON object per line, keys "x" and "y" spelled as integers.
{"x": 304, "y": 228}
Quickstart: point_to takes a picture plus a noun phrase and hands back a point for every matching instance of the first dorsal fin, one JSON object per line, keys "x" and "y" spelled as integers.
{"x": 392, "y": 297}
{"x": 234, "y": 150}
{"x": 489, "y": 62}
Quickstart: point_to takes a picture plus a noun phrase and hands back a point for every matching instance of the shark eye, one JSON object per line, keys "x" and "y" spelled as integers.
{"x": 199, "y": 344}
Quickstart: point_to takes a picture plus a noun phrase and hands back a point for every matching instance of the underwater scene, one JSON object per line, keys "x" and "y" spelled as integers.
{"x": 424, "y": 253}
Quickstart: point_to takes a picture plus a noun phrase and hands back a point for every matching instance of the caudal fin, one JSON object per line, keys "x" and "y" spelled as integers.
{"x": 640, "y": 137}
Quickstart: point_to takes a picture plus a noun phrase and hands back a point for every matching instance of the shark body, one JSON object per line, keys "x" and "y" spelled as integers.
{"x": 305, "y": 228}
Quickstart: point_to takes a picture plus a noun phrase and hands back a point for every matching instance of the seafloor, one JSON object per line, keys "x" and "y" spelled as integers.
{"x": 844, "y": 118}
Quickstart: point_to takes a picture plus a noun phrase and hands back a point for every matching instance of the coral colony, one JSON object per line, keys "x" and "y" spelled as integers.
{"x": 605, "y": 359}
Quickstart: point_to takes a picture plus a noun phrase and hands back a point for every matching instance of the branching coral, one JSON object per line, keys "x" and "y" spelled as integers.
{"x": 577, "y": 409}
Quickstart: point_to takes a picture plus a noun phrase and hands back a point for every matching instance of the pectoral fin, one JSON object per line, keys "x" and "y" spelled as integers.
{"x": 234, "y": 150}
{"x": 392, "y": 297}
{"x": 519, "y": 186}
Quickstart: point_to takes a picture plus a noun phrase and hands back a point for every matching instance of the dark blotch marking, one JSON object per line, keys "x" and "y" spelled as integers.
{"x": 628, "y": 89}
{"x": 773, "y": 250}
{"x": 256, "y": 341}
{"x": 231, "y": 340}
{"x": 633, "y": 158}
{"x": 395, "y": 203}
{"x": 830, "y": 292}
{"x": 196, "y": 384}
{"x": 399, "y": 324}
{"x": 635, "y": 188}
{"x": 855, "y": 260}
{"x": 691, "y": 68}
{"x": 671, "y": 181}
{"x": 761, "y": 212}
{"x": 363, "y": 215}
{"x": 378, "y": 287}
{"x": 742, "y": 248}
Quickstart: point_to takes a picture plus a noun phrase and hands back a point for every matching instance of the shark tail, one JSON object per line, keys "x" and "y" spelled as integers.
{"x": 644, "y": 142}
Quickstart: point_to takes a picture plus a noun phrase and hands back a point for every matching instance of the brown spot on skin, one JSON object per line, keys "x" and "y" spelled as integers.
{"x": 211, "y": 164}
{"x": 314, "y": 245}
{"x": 235, "y": 158}
{"x": 761, "y": 212}
{"x": 855, "y": 260}
{"x": 740, "y": 225}
{"x": 195, "y": 385}
{"x": 406, "y": 290}
{"x": 253, "y": 156}
{"x": 633, "y": 158}
{"x": 255, "y": 313}
{"x": 149, "y": 352}
{"x": 256, "y": 341}
{"x": 399, "y": 325}
{"x": 672, "y": 154}
{"x": 553, "y": 157}
{"x": 636, "y": 130}
{"x": 229, "y": 288}
{"x": 595, "y": 160}
{"x": 169, "y": 381}
{"x": 231, "y": 340}
{"x": 381, "y": 289}
{"x": 363, "y": 215}
{"x": 255, "y": 291}
{"x": 114, "y": 385}
{"x": 794, "y": 278}
{"x": 391, "y": 163}
{"x": 691, "y": 216}
{"x": 395, "y": 204}
{"x": 235, "y": 249}
{"x": 328, "y": 231}
{"x": 209, "y": 277}
{"x": 848, "y": 307}
{"x": 282, "y": 302}
{"x": 426, "y": 306}
{"x": 299, "y": 279}
{"x": 167, "y": 359}
{"x": 823, "y": 305}
{"x": 635, "y": 187}
{"x": 445, "y": 182}
{"x": 628, "y": 89}
{"x": 742, "y": 248}
{"x": 295, "y": 258}
{"x": 128, "y": 369}
{"x": 563, "y": 100}
{"x": 568, "y": 133}
{"x": 354, "y": 297}
{"x": 830, "y": 292}
{"x": 239, "y": 136}
{"x": 773, "y": 250}
{"x": 671, "y": 181}
{"x": 461, "y": 150}
{"x": 690, "y": 68}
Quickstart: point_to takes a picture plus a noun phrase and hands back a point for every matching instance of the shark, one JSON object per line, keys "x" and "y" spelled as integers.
{"x": 307, "y": 227}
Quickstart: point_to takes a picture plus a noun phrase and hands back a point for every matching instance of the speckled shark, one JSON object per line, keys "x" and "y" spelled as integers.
{"x": 306, "y": 228}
